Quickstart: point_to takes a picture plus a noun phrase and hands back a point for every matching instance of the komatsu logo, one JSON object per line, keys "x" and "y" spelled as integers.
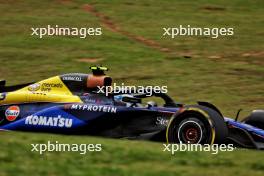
{"x": 48, "y": 121}
{"x": 95, "y": 108}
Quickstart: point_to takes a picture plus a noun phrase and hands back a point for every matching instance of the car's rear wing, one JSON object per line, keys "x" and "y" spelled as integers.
{"x": 4, "y": 88}
{"x": 2, "y": 83}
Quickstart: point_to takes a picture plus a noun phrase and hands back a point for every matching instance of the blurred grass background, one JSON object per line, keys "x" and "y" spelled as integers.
{"x": 118, "y": 158}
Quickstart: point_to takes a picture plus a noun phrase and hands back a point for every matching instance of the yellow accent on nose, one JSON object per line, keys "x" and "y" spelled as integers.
{"x": 49, "y": 90}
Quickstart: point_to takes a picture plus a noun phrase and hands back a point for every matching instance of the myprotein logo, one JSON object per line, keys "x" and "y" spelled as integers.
{"x": 49, "y": 121}
{"x": 94, "y": 108}
{"x": 12, "y": 113}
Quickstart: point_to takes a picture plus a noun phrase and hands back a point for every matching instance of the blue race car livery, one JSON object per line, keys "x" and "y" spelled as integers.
{"x": 71, "y": 104}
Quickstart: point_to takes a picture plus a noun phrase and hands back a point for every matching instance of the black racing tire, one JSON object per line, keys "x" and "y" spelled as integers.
{"x": 197, "y": 124}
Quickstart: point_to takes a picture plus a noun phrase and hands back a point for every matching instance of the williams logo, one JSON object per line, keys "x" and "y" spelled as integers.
{"x": 12, "y": 113}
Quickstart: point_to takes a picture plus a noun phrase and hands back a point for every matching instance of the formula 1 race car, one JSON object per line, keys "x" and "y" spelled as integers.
{"x": 71, "y": 104}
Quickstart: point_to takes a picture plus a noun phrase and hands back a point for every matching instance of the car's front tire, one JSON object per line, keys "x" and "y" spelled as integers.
{"x": 197, "y": 124}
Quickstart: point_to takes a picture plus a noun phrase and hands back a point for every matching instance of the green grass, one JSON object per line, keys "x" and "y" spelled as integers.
{"x": 119, "y": 157}
{"x": 228, "y": 71}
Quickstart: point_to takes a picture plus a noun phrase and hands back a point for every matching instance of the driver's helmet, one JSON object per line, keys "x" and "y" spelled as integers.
{"x": 119, "y": 100}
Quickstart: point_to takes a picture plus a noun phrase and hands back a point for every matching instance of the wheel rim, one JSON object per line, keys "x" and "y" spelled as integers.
{"x": 190, "y": 131}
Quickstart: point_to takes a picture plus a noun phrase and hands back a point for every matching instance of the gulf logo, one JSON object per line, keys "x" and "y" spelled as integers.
{"x": 12, "y": 113}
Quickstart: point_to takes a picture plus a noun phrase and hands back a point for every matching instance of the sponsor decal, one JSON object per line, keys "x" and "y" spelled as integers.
{"x": 72, "y": 78}
{"x": 39, "y": 93}
{"x": 49, "y": 121}
{"x": 162, "y": 121}
{"x": 48, "y": 86}
{"x": 88, "y": 100}
{"x": 12, "y": 113}
{"x": 93, "y": 101}
{"x": 34, "y": 87}
{"x": 2, "y": 96}
{"x": 94, "y": 108}
{"x": 44, "y": 86}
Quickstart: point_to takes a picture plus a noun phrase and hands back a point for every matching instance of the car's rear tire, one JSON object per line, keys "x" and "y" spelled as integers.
{"x": 197, "y": 124}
